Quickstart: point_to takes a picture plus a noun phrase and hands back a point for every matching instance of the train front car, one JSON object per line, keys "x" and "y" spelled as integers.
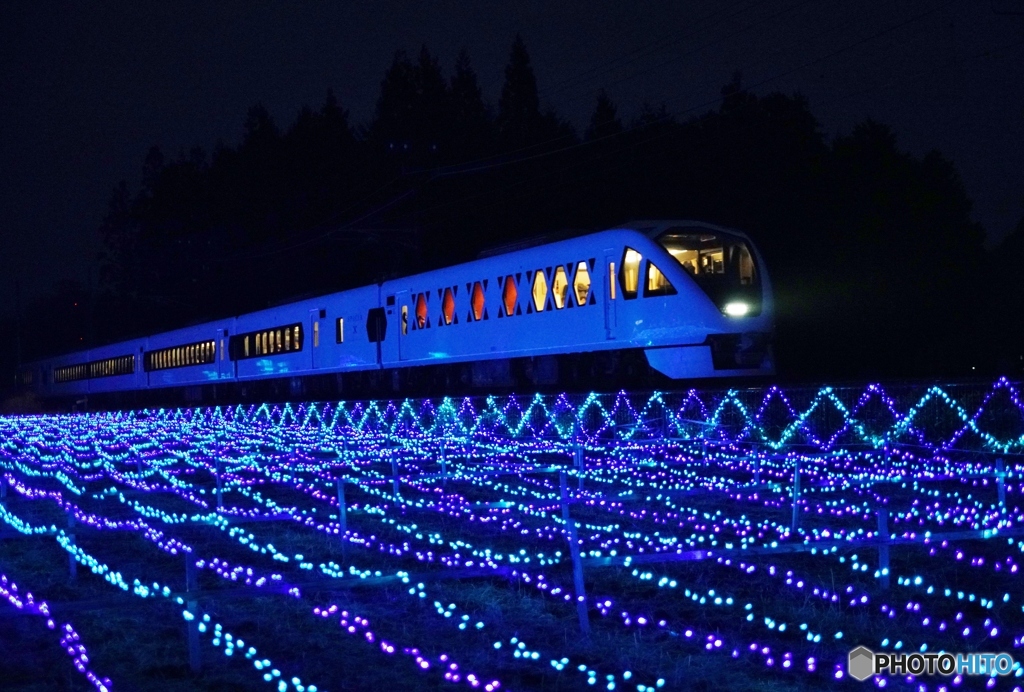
{"x": 696, "y": 298}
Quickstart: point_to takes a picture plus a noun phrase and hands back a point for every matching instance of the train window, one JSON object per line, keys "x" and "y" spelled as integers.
{"x": 173, "y": 357}
{"x": 476, "y": 301}
{"x": 509, "y": 295}
{"x": 266, "y": 342}
{"x": 630, "y": 274}
{"x": 581, "y": 284}
{"x": 421, "y": 310}
{"x": 721, "y": 264}
{"x": 448, "y": 306}
{"x": 611, "y": 280}
{"x": 106, "y": 367}
{"x": 540, "y": 290}
{"x": 657, "y": 283}
{"x": 316, "y": 335}
{"x": 288, "y": 337}
{"x": 405, "y": 320}
{"x": 340, "y": 336}
{"x": 559, "y": 287}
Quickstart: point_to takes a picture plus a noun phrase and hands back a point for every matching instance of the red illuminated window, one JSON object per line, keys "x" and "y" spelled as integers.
{"x": 476, "y": 301}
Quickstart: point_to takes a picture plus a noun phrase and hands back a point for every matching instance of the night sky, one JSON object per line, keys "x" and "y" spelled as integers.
{"x": 87, "y": 87}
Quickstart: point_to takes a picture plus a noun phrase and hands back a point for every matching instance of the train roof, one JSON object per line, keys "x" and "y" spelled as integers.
{"x": 649, "y": 227}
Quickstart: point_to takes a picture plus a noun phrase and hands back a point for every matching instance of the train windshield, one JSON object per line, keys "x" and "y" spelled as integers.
{"x": 721, "y": 264}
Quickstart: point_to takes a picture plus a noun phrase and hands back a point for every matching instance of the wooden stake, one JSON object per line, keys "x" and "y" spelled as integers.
{"x": 1000, "y": 483}
{"x": 342, "y": 519}
{"x": 883, "y": 546}
{"x": 444, "y": 469}
{"x": 220, "y": 499}
{"x": 195, "y": 661}
{"x": 574, "y": 552}
{"x": 72, "y": 562}
{"x": 796, "y": 495}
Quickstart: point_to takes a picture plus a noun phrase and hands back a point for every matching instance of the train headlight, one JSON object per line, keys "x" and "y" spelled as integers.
{"x": 736, "y": 309}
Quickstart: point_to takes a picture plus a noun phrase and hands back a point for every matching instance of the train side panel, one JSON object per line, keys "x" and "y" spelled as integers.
{"x": 116, "y": 367}
{"x": 189, "y": 356}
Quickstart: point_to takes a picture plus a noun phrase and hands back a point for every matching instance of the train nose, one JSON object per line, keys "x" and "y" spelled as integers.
{"x": 738, "y": 351}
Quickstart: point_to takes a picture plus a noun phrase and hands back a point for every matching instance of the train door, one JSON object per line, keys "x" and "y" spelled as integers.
{"x": 314, "y": 337}
{"x": 611, "y": 297}
{"x": 402, "y": 304}
{"x": 225, "y": 366}
{"x": 391, "y": 333}
{"x": 139, "y": 374}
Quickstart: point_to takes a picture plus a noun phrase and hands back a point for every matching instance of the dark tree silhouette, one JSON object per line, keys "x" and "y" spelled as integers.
{"x": 605, "y": 121}
{"x": 519, "y": 117}
{"x": 877, "y": 268}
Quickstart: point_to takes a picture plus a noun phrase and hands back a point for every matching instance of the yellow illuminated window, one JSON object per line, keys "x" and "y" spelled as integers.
{"x": 288, "y": 338}
{"x": 316, "y": 335}
{"x": 630, "y": 272}
{"x": 657, "y": 283}
{"x": 280, "y": 341}
{"x": 540, "y": 290}
{"x": 581, "y": 284}
{"x": 559, "y": 287}
{"x": 297, "y": 337}
{"x": 341, "y": 330}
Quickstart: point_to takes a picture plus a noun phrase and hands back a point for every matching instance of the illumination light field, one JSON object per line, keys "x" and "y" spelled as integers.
{"x": 683, "y": 503}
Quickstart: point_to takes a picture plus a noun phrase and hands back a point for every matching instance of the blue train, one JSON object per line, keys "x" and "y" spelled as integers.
{"x": 685, "y": 299}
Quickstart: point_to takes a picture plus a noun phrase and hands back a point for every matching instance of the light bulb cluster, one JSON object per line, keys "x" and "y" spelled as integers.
{"x": 682, "y": 504}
